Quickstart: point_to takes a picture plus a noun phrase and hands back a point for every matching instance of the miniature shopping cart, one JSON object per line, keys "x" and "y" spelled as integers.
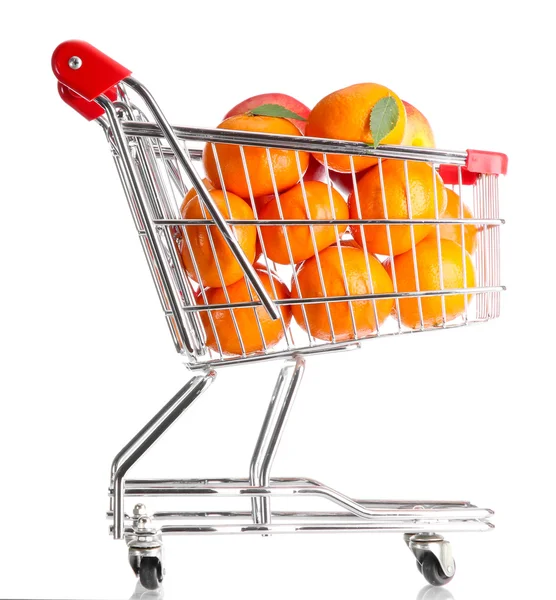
{"x": 156, "y": 165}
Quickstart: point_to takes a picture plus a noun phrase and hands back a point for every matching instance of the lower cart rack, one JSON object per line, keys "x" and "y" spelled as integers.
{"x": 420, "y": 521}
{"x": 360, "y": 515}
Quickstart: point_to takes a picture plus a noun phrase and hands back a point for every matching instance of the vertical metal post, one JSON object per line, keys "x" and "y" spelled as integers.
{"x": 281, "y": 402}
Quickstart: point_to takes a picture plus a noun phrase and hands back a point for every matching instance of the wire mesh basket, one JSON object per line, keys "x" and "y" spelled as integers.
{"x": 343, "y": 319}
{"x": 351, "y": 315}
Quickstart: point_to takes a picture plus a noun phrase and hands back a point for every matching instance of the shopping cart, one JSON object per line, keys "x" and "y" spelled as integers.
{"x": 155, "y": 163}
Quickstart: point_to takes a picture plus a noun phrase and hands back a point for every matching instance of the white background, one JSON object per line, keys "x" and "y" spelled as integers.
{"x": 86, "y": 358}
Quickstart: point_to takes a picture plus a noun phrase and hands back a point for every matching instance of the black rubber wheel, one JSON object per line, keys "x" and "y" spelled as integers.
{"x": 432, "y": 571}
{"x": 150, "y": 573}
{"x": 419, "y": 567}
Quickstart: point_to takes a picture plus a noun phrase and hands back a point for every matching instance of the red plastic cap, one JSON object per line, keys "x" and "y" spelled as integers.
{"x": 478, "y": 162}
{"x": 488, "y": 163}
{"x": 450, "y": 175}
{"x": 89, "y": 110}
{"x": 85, "y": 70}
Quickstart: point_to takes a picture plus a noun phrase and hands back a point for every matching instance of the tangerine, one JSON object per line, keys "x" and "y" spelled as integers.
{"x": 207, "y": 250}
{"x": 335, "y": 320}
{"x": 402, "y": 199}
{"x": 453, "y": 232}
{"x": 310, "y": 200}
{"x": 453, "y": 259}
{"x": 283, "y": 163}
{"x": 193, "y": 192}
{"x": 255, "y": 329}
{"x": 346, "y": 115}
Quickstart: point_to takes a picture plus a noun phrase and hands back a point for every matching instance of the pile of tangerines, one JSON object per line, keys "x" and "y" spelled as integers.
{"x": 326, "y": 260}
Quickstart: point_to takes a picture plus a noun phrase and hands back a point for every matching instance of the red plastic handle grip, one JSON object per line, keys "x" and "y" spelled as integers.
{"x": 89, "y": 110}
{"x": 85, "y": 70}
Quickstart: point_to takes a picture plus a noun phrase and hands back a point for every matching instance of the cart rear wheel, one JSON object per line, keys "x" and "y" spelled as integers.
{"x": 432, "y": 571}
{"x": 150, "y": 572}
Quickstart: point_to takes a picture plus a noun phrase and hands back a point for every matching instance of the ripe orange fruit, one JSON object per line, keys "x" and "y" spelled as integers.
{"x": 453, "y": 232}
{"x": 193, "y": 192}
{"x": 355, "y": 264}
{"x": 320, "y": 205}
{"x": 284, "y": 163}
{"x": 245, "y": 318}
{"x": 422, "y": 204}
{"x": 176, "y": 231}
{"x": 346, "y": 115}
{"x": 428, "y": 272}
{"x": 202, "y": 253}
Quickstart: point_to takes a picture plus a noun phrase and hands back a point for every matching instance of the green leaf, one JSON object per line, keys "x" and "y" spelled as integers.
{"x": 384, "y": 117}
{"x": 275, "y": 110}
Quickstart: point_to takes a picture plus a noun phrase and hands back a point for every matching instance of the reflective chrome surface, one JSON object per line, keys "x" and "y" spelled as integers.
{"x": 146, "y": 437}
{"x": 283, "y": 396}
{"x": 249, "y": 138}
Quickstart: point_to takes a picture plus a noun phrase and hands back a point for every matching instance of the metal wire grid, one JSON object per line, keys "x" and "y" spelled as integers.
{"x": 163, "y": 230}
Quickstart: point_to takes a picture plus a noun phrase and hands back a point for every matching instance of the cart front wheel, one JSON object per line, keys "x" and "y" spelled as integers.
{"x": 150, "y": 572}
{"x": 432, "y": 571}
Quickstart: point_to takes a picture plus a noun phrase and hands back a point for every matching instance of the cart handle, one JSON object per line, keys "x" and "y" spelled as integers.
{"x": 89, "y": 110}
{"x": 91, "y": 74}
{"x": 85, "y": 70}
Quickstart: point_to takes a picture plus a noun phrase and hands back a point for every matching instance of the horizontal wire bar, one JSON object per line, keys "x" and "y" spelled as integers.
{"x": 246, "y": 515}
{"x": 368, "y": 513}
{"x": 323, "y": 347}
{"x": 217, "y": 482}
{"x": 290, "y": 481}
{"x": 165, "y": 152}
{"x": 408, "y": 526}
{"x": 308, "y": 144}
{"x": 353, "y": 298}
{"x": 378, "y": 504}
{"x": 272, "y": 354}
{"x": 490, "y": 222}
{"x": 286, "y": 481}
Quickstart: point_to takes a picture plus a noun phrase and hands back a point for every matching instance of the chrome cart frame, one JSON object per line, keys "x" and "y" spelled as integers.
{"x": 155, "y": 162}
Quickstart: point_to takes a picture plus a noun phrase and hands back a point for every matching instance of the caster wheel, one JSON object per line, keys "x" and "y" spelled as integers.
{"x": 432, "y": 571}
{"x": 150, "y": 573}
